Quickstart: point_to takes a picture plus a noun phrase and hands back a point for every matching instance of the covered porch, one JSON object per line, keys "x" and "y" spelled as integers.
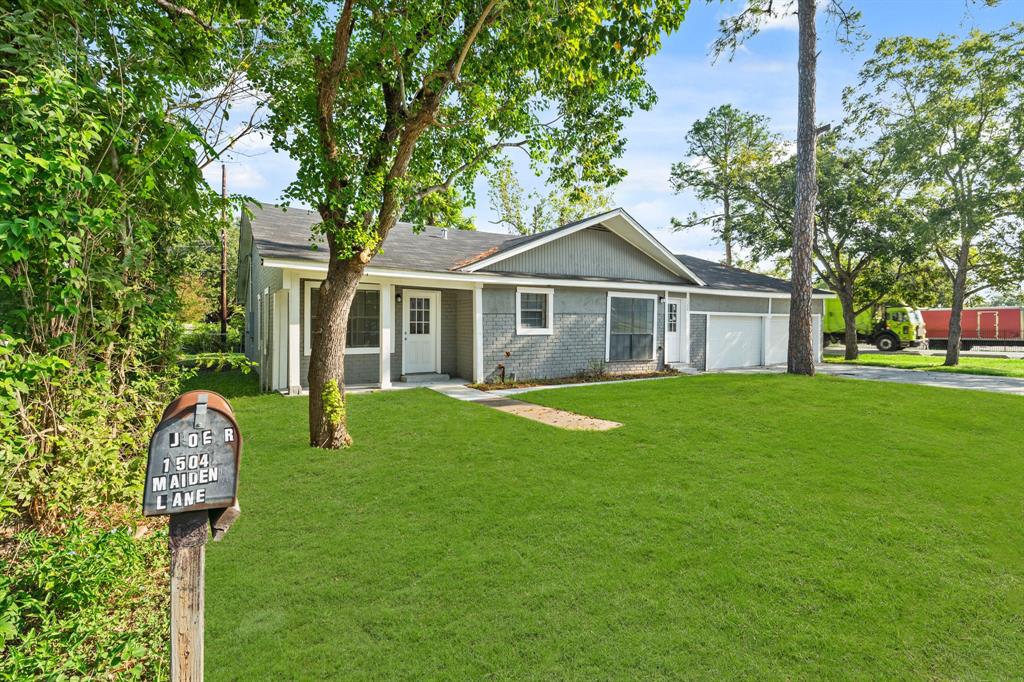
{"x": 402, "y": 331}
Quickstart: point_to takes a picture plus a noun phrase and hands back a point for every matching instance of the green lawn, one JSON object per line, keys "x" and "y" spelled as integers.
{"x": 761, "y": 526}
{"x": 997, "y": 367}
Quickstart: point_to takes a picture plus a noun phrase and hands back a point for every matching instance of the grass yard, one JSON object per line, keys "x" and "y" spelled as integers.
{"x": 997, "y": 367}
{"x": 757, "y": 526}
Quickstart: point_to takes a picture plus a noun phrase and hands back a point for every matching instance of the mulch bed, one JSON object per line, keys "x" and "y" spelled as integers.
{"x": 578, "y": 379}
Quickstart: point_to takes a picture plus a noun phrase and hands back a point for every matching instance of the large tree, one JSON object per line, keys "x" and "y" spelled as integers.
{"x": 952, "y": 114}
{"x": 865, "y": 237}
{"x": 529, "y": 213}
{"x": 724, "y": 149}
{"x": 387, "y": 104}
{"x": 734, "y": 31}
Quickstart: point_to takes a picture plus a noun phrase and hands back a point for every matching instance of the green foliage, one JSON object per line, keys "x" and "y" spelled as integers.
{"x": 85, "y": 604}
{"x": 204, "y": 337}
{"x": 334, "y": 403}
{"x": 950, "y": 115}
{"x": 549, "y": 211}
{"x": 417, "y": 103}
{"x": 726, "y": 149}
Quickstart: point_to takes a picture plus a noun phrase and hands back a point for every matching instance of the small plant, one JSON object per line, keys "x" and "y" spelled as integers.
{"x": 334, "y": 403}
{"x": 596, "y": 369}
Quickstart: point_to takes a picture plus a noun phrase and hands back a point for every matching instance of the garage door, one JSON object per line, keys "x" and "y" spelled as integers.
{"x": 777, "y": 352}
{"x": 734, "y": 341}
{"x": 778, "y": 340}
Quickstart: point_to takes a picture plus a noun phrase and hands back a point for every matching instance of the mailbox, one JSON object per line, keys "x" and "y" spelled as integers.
{"x": 193, "y": 460}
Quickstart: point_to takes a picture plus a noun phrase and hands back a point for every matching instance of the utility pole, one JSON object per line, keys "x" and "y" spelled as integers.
{"x": 224, "y": 258}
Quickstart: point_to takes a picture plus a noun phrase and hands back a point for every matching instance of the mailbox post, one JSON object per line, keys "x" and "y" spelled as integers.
{"x": 192, "y": 476}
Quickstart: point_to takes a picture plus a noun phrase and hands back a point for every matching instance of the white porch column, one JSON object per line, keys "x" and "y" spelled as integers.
{"x": 293, "y": 284}
{"x": 387, "y": 323}
{"x": 478, "y": 333}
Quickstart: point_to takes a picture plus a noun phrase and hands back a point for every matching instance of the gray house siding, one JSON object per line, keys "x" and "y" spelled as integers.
{"x": 464, "y": 334}
{"x": 261, "y": 278}
{"x": 698, "y": 341}
{"x": 577, "y": 343}
{"x": 593, "y": 252}
{"x": 709, "y": 303}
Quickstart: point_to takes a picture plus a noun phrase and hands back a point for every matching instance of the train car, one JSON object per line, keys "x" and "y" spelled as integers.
{"x": 994, "y": 326}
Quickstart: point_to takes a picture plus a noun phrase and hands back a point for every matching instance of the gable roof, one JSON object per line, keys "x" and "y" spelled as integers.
{"x": 719, "y": 276}
{"x": 284, "y": 234}
{"x": 617, "y": 221}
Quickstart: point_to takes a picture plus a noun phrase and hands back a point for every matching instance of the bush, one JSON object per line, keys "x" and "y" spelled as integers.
{"x": 83, "y": 604}
{"x": 205, "y": 338}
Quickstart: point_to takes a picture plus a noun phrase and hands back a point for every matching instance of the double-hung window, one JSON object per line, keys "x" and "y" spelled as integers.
{"x": 534, "y": 311}
{"x": 631, "y": 327}
{"x": 363, "y": 320}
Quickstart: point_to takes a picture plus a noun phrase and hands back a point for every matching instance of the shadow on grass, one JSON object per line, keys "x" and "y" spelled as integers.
{"x": 230, "y": 383}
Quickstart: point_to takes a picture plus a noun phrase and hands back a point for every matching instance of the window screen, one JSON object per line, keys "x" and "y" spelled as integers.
{"x": 363, "y": 319}
{"x": 632, "y": 329}
{"x": 533, "y": 311}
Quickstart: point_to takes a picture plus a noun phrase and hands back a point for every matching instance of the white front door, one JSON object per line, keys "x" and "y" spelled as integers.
{"x": 673, "y": 330}
{"x": 421, "y": 331}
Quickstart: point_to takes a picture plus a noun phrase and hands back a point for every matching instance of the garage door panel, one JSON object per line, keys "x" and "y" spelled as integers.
{"x": 778, "y": 340}
{"x": 734, "y": 341}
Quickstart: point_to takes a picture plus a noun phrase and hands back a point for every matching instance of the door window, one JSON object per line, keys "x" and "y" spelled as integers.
{"x": 673, "y": 317}
{"x": 419, "y": 315}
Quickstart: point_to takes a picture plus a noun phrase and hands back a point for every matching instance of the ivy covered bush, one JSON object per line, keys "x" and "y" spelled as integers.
{"x": 102, "y": 199}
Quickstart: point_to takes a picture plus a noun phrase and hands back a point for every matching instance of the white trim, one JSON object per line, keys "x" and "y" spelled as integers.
{"x": 478, "y": 334}
{"x": 280, "y": 343}
{"x": 307, "y": 346}
{"x": 387, "y": 333}
{"x": 466, "y": 280}
{"x": 463, "y": 280}
{"x": 608, "y": 325}
{"x": 292, "y": 280}
{"x": 435, "y": 322}
{"x": 549, "y": 326}
{"x": 616, "y": 220}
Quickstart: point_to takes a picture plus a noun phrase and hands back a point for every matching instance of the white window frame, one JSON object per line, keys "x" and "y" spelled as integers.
{"x": 307, "y": 345}
{"x": 608, "y": 325}
{"x": 549, "y": 328}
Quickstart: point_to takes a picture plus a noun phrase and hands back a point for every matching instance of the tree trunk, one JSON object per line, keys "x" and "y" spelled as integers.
{"x": 801, "y": 345}
{"x": 328, "y": 428}
{"x": 727, "y": 230}
{"x": 959, "y": 294}
{"x": 850, "y": 324}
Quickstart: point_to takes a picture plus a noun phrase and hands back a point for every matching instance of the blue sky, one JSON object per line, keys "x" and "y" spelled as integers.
{"x": 761, "y": 78}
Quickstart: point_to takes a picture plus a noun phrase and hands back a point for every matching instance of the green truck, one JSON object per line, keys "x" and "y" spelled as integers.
{"x": 889, "y": 327}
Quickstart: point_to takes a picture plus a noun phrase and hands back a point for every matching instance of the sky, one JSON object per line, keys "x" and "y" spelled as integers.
{"x": 761, "y": 78}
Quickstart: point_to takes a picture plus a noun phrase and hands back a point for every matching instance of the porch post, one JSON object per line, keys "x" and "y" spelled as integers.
{"x": 478, "y": 333}
{"x": 292, "y": 281}
{"x": 387, "y": 300}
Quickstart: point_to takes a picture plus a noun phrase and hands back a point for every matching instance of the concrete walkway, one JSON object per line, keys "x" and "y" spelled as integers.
{"x": 971, "y": 382}
{"x": 537, "y": 413}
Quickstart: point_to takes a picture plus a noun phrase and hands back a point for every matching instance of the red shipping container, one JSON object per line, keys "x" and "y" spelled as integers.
{"x": 977, "y": 324}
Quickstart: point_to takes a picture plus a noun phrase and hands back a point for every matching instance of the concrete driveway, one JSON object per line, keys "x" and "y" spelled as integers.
{"x": 971, "y": 382}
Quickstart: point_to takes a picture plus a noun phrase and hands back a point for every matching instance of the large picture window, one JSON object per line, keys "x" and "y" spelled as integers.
{"x": 630, "y": 328}
{"x": 534, "y": 313}
{"x": 363, "y": 320}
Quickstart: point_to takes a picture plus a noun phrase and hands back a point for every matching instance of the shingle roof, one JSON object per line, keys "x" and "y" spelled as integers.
{"x": 285, "y": 233}
{"x": 719, "y": 276}
{"x": 281, "y": 233}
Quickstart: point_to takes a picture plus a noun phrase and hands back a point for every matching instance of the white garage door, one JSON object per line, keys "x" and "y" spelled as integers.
{"x": 777, "y": 352}
{"x": 778, "y": 340}
{"x": 734, "y": 341}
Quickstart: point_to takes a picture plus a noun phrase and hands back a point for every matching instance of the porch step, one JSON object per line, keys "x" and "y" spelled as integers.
{"x": 423, "y": 378}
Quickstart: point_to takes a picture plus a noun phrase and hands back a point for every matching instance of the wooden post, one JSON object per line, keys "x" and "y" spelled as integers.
{"x": 188, "y": 534}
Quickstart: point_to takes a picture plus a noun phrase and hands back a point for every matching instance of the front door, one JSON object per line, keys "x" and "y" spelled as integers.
{"x": 673, "y": 330}
{"x": 421, "y": 331}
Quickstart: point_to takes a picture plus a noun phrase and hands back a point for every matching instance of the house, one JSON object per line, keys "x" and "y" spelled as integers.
{"x": 598, "y": 292}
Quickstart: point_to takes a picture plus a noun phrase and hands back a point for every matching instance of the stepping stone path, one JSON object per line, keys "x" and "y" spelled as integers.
{"x": 538, "y": 413}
